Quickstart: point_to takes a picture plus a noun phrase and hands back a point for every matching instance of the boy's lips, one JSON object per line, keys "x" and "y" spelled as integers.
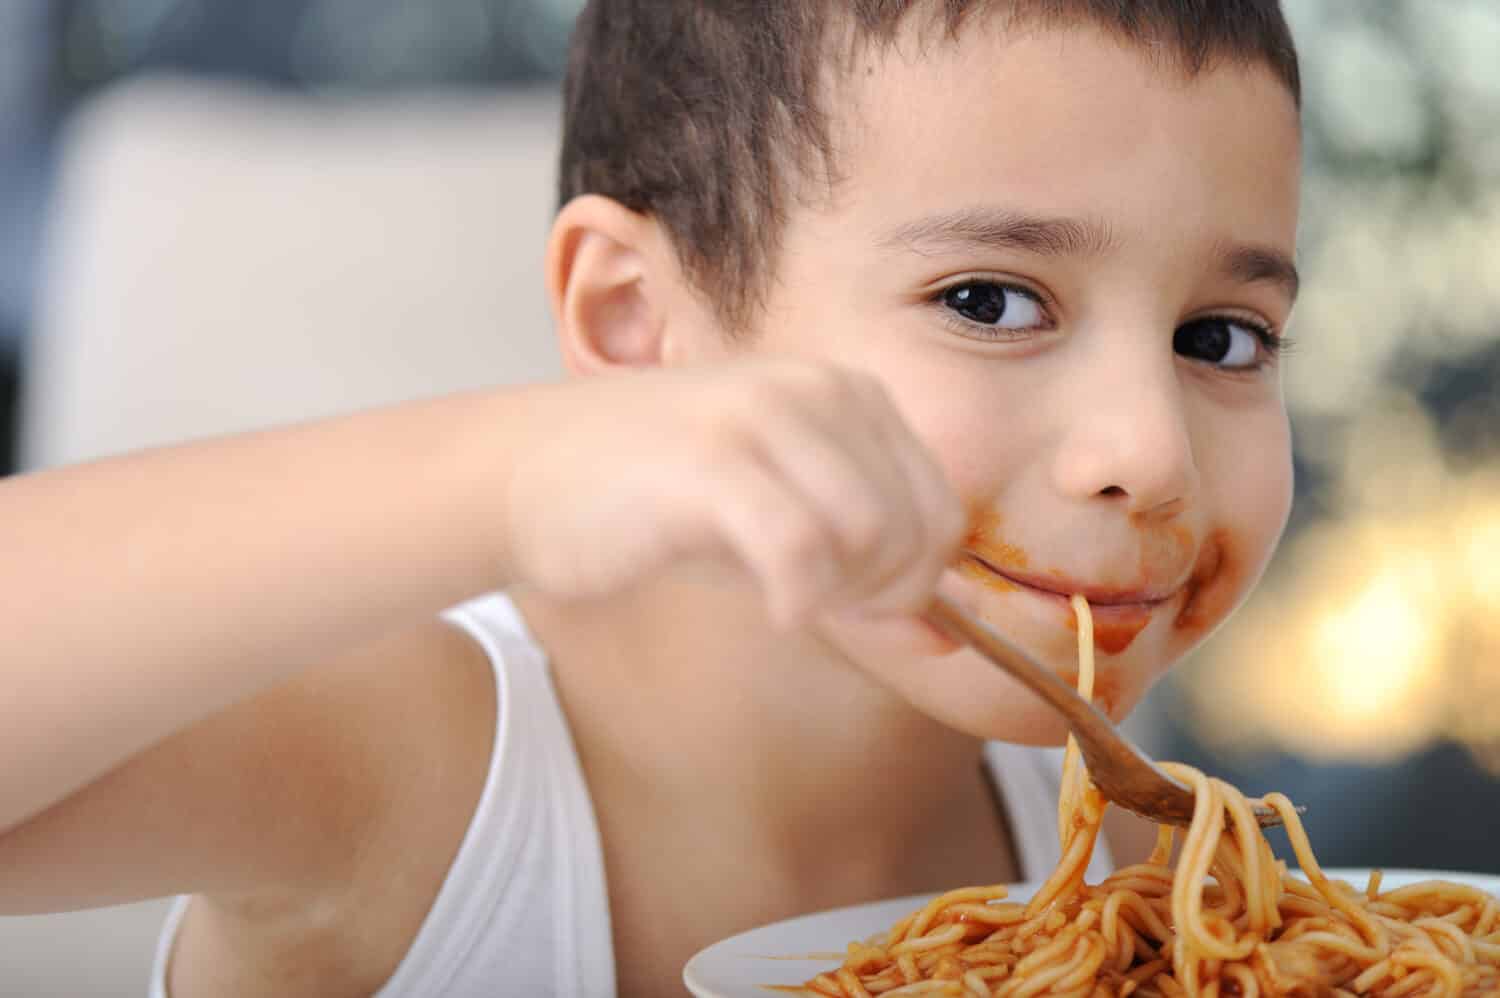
{"x": 1102, "y": 599}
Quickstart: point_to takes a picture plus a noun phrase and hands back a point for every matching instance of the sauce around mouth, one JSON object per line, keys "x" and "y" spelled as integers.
{"x": 984, "y": 541}
{"x": 1113, "y": 636}
{"x": 1211, "y": 589}
{"x": 1113, "y": 632}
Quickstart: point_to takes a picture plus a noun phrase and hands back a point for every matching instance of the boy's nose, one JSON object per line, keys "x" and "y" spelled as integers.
{"x": 1128, "y": 442}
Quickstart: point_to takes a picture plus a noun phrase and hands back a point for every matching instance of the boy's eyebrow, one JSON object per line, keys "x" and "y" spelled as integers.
{"x": 990, "y": 228}
{"x": 969, "y": 228}
{"x": 1260, "y": 265}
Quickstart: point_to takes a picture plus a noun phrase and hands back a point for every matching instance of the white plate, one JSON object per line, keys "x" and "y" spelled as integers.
{"x": 743, "y": 966}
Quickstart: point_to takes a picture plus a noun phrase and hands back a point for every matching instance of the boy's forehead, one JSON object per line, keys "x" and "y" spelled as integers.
{"x": 1064, "y": 122}
{"x": 1030, "y": 53}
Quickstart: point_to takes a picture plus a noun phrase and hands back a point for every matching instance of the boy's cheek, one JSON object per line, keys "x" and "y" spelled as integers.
{"x": 1230, "y": 564}
{"x": 1237, "y": 552}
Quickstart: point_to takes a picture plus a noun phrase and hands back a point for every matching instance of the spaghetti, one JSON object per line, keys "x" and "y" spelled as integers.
{"x": 1226, "y": 920}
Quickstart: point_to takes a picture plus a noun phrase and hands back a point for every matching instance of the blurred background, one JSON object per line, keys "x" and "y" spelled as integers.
{"x": 217, "y": 215}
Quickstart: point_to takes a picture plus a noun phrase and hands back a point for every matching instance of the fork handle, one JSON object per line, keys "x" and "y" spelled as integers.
{"x": 962, "y": 626}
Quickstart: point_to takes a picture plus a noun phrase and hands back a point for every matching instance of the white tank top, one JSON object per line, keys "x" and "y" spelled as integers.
{"x": 524, "y": 907}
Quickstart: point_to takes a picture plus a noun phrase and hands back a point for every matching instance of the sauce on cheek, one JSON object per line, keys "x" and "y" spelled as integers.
{"x": 1211, "y": 590}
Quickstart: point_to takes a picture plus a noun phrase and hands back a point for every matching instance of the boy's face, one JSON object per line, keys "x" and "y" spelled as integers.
{"x": 1062, "y": 261}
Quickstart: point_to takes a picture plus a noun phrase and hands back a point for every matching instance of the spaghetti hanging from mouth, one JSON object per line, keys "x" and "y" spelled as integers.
{"x": 1224, "y": 920}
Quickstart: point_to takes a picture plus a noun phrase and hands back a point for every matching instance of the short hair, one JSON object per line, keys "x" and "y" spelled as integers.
{"x": 706, "y": 114}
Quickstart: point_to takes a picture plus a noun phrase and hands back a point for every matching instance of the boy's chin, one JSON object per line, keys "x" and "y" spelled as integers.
{"x": 1016, "y": 715}
{"x": 962, "y": 690}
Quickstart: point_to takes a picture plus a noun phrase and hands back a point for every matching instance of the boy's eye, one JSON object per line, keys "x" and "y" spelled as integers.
{"x": 1225, "y": 343}
{"x": 999, "y": 306}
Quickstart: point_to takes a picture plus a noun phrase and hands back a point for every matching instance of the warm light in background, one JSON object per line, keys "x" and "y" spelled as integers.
{"x": 1482, "y": 561}
{"x": 1374, "y": 654}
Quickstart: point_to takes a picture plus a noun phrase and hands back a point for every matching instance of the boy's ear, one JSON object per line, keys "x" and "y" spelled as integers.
{"x": 605, "y": 284}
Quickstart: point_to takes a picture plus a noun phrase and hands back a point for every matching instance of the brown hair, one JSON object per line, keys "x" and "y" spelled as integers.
{"x": 704, "y": 113}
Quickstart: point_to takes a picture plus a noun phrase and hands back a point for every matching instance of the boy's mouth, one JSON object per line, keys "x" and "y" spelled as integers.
{"x": 1105, "y": 599}
{"x": 1119, "y": 614}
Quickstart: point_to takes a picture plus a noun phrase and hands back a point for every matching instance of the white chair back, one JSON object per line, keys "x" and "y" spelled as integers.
{"x": 223, "y": 258}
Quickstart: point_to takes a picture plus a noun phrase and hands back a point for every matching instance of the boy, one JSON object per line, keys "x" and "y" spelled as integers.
{"x": 848, "y": 286}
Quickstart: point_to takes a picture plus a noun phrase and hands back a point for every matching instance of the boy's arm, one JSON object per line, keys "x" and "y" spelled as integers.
{"x": 144, "y": 593}
{"x": 294, "y": 794}
{"x": 149, "y": 594}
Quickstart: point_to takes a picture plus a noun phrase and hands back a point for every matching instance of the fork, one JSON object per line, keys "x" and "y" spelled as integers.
{"x": 1121, "y": 771}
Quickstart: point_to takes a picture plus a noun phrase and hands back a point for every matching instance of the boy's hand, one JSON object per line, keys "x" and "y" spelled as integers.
{"x": 803, "y": 474}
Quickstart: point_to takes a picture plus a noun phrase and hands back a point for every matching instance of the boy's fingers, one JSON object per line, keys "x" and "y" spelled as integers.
{"x": 778, "y": 538}
{"x": 938, "y": 517}
{"x": 852, "y": 481}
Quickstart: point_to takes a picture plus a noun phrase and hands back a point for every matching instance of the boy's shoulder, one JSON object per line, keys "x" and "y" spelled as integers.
{"x": 370, "y": 768}
{"x": 421, "y": 705}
